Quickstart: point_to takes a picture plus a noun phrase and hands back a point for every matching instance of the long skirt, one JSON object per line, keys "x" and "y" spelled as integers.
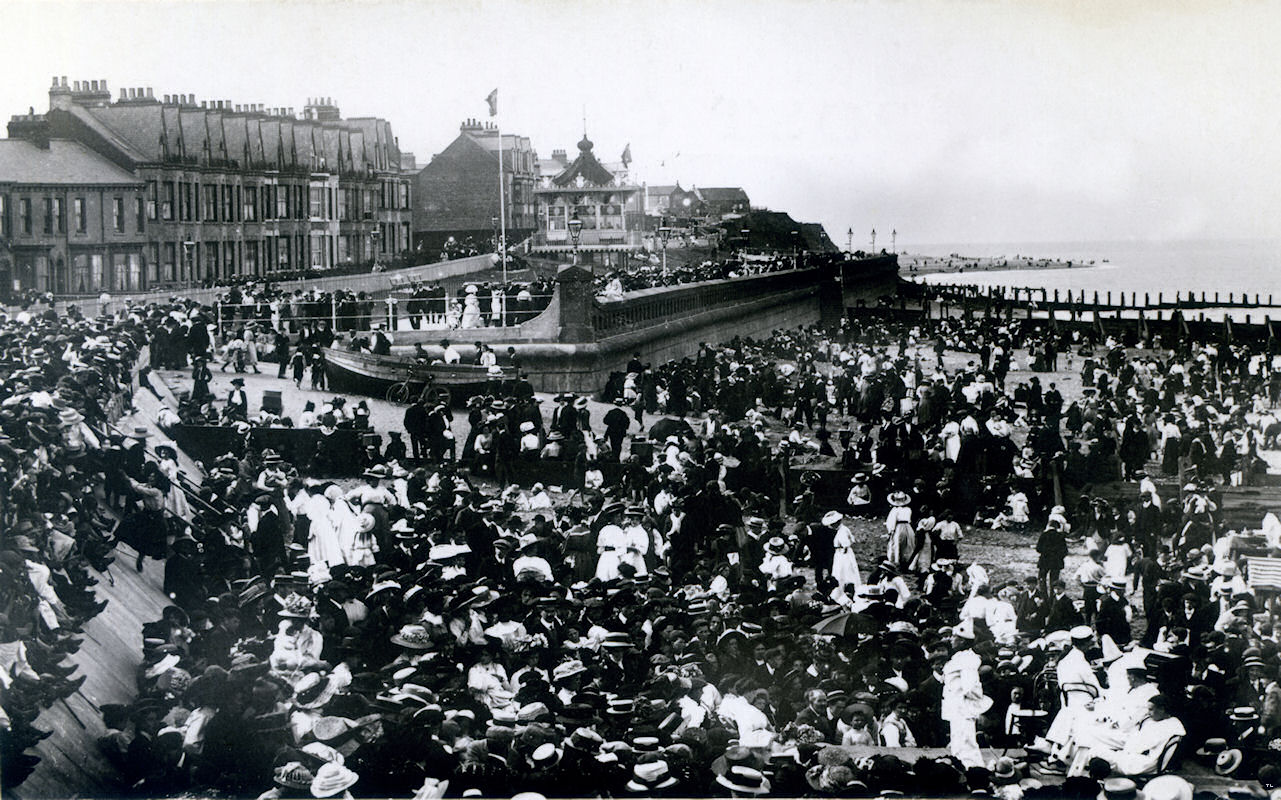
{"x": 902, "y": 541}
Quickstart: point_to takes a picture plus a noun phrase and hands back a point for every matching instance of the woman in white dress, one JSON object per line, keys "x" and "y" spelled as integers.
{"x": 175, "y": 497}
{"x": 844, "y": 562}
{"x": 951, "y": 435}
{"x": 902, "y": 537}
{"x": 471, "y": 309}
{"x": 323, "y": 545}
{"x": 611, "y": 545}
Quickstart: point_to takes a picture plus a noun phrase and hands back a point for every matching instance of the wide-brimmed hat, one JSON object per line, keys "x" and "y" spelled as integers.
{"x": 832, "y": 518}
{"x": 314, "y": 690}
{"x": 293, "y": 776}
{"x": 1119, "y": 789}
{"x": 899, "y": 499}
{"x": 332, "y": 779}
{"x": 295, "y": 606}
{"x": 1228, "y": 762}
{"x": 414, "y": 637}
{"x": 139, "y": 433}
{"x": 745, "y": 780}
{"x": 580, "y": 402}
{"x": 568, "y": 669}
{"x": 775, "y": 544}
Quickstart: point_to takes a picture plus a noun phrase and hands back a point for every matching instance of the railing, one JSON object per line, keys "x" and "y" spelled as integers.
{"x": 653, "y": 306}
{"x": 405, "y": 314}
{"x": 589, "y": 239}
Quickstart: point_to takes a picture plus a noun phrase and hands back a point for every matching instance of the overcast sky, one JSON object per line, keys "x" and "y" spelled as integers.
{"x": 950, "y": 121}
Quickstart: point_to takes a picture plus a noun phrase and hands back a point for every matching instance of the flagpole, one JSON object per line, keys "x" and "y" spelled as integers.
{"x": 502, "y": 207}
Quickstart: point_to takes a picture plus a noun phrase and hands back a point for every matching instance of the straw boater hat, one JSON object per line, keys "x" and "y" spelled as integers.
{"x": 899, "y": 499}
{"x": 832, "y": 518}
{"x": 744, "y": 780}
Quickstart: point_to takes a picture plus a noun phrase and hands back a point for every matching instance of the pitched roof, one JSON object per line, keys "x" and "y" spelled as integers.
{"x": 587, "y": 166}
{"x": 726, "y": 194}
{"x": 65, "y": 162}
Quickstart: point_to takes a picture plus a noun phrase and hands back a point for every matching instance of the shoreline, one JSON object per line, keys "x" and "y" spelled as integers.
{"x": 955, "y": 264}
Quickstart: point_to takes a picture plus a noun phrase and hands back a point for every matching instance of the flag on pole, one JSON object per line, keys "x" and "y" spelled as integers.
{"x": 627, "y": 155}
{"x": 493, "y": 103}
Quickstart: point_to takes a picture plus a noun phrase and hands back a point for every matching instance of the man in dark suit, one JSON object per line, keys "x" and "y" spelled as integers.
{"x": 415, "y": 422}
{"x": 816, "y": 715}
{"x": 268, "y": 537}
{"x": 1062, "y": 614}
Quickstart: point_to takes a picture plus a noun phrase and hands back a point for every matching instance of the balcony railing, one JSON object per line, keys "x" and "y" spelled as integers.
{"x": 602, "y": 238}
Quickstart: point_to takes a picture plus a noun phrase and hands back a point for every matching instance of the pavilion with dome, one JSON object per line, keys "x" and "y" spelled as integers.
{"x": 601, "y": 197}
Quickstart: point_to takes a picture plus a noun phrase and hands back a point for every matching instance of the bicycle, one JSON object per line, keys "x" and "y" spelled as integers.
{"x": 401, "y": 392}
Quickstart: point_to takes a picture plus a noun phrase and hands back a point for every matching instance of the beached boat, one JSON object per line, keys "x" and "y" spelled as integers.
{"x": 380, "y": 376}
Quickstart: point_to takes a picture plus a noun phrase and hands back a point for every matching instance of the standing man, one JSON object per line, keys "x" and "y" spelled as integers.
{"x": 268, "y": 537}
{"x": 415, "y": 422}
{"x": 963, "y": 698}
{"x": 439, "y": 433}
{"x": 282, "y": 351}
{"x": 616, "y": 424}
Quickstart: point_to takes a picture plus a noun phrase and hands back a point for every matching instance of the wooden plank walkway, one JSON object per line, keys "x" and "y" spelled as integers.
{"x": 70, "y": 763}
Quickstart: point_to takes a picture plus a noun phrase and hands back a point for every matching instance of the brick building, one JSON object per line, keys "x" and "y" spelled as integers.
{"x": 70, "y": 220}
{"x": 457, "y": 192}
{"x": 241, "y": 190}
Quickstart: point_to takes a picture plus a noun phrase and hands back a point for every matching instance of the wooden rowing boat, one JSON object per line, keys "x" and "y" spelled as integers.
{"x": 371, "y": 374}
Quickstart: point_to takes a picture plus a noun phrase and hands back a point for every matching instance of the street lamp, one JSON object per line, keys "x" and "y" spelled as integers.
{"x": 188, "y": 258}
{"x": 747, "y": 238}
{"x": 575, "y": 232}
{"x": 796, "y": 238}
{"x": 664, "y": 233}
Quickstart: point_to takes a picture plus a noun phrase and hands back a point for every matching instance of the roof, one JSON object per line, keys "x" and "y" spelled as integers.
{"x": 65, "y": 162}
{"x": 587, "y": 166}
{"x": 727, "y": 194}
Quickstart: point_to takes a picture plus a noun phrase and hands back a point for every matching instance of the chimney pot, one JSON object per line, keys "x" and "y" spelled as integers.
{"x": 64, "y": 81}
{"x": 124, "y": 93}
{"x": 150, "y": 95}
{"x": 92, "y": 86}
{"x": 55, "y": 82}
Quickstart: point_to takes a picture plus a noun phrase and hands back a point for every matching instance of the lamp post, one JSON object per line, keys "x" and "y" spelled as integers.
{"x": 796, "y": 238}
{"x": 575, "y": 233}
{"x": 747, "y": 239}
{"x": 664, "y": 233}
{"x": 188, "y": 259}
{"x": 894, "y": 241}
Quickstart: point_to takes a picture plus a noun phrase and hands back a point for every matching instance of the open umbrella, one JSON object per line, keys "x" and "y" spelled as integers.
{"x": 846, "y": 623}
{"x": 669, "y": 426}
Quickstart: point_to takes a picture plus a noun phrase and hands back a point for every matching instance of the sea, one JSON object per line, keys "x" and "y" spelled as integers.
{"x": 1237, "y": 266}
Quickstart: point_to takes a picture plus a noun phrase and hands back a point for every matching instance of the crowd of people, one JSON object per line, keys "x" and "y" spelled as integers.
{"x": 63, "y": 382}
{"x": 650, "y": 272}
{"x": 660, "y": 628}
